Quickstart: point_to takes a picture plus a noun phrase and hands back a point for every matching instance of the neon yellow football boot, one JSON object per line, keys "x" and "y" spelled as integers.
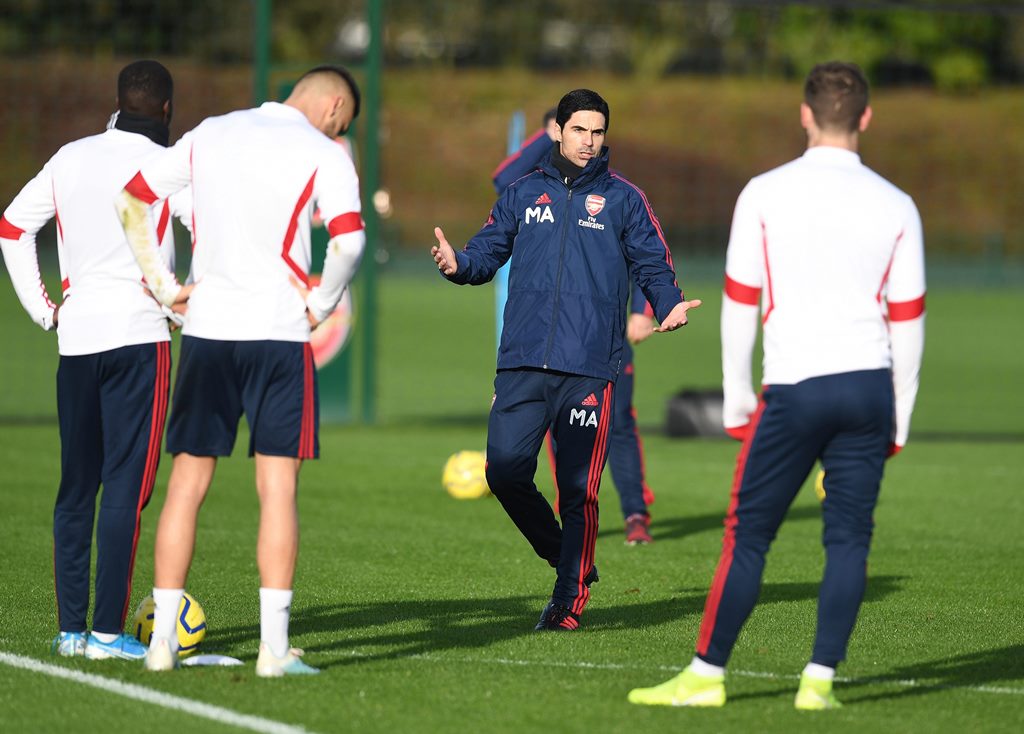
{"x": 815, "y": 694}
{"x": 686, "y": 689}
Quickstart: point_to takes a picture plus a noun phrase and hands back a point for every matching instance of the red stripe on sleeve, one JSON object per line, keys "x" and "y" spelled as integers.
{"x": 739, "y": 432}
{"x": 345, "y": 223}
{"x": 906, "y": 310}
{"x": 8, "y": 231}
{"x": 138, "y": 188}
{"x": 165, "y": 217}
{"x": 505, "y": 163}
{"x": 745, "y": 294}
{"x": 651, "y": 216}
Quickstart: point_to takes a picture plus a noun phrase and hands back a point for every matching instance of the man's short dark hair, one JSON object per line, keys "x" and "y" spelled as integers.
{"x": 549, "y": 116}
{"x": 581, "y": 99}
{"x": 346, "y": 75}
{"x": 837, "y": 93}
{"x": 143, "y": 87}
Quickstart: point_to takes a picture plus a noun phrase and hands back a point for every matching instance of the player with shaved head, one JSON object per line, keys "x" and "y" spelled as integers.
{"x": 328, "y": 96}
{"x": 258, "y": 176}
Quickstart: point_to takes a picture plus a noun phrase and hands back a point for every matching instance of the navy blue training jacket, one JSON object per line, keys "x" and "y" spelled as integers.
{"x": 531, "y": 153}
{"x": 574, "y": 252}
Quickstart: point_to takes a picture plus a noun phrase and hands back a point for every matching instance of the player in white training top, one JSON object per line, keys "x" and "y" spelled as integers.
{"x": 257, "y": 176}
{"x": 114, "y": 372}
{"x": 829, "y": 256}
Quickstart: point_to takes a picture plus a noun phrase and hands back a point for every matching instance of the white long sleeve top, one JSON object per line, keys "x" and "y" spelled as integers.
{"x": 830, "y": 255}
{"x": 257, "y": 177}
{"x": 105, "y": 304}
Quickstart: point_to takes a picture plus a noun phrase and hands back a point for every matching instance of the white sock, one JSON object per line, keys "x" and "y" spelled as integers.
{"x": 275, "y": 610}
{"x": 702, "y": 667}
{"x": 819, "y": 672}
{"x": 165, "y": 616}
{"x": 105, "y": 637}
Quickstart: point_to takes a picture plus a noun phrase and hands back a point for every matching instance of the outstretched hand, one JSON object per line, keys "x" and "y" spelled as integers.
{"x": 677, "y": 316}
{"x": 443, "y": 254}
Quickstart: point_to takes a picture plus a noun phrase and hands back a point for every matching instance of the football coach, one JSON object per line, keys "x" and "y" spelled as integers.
{"x": 576, "y": 234}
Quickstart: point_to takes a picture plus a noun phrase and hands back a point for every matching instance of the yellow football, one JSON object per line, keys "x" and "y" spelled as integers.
{"x": 191, "y": 623}
{"x": 464, "y": 475}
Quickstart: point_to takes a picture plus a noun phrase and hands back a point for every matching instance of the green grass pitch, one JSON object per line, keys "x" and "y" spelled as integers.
{"x": 419, "y": 608}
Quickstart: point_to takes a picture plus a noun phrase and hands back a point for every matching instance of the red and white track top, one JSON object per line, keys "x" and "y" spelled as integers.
{"x": 105, "y": 305}
{"x": 833, "y": 255}
{"x": 257, "y": 177}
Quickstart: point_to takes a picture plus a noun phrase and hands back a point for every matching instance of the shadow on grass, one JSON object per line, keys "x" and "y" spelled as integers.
{"x": 672, "y": 528}
{"x": 974, "y": 669}
{"x": 396, "y": 629}
{"x": 391, "y": 630}
{"x": 986, "y": 668}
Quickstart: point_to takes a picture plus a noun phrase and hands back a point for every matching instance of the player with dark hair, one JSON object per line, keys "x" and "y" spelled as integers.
{"x": 115, "y": 359}
{"x": 832, "y": 253}
{"x": 258, "y": 177}
{"x": 328, "y": 71}
{"x": 625, "y": 449}
{"x": 581, "y": 100}
{"x": 576, "y": 234}
{"x": 141, "y": 87}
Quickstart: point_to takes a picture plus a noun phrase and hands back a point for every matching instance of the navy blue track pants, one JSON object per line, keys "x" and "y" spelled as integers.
{"x": 578, "y": 412}
{"x": 111, "y": 407}
{"x": 846, "y": 421}
{"x": 625, "y": 449}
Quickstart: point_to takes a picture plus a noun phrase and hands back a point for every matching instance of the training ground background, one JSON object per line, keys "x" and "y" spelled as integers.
{"x": 419, "y": 608}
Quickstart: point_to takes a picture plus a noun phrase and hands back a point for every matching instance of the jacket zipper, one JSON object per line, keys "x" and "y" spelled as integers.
{"x": 558, "y": 279}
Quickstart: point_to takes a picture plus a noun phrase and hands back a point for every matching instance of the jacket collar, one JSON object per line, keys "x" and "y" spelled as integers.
{"x": 595, "y": 168}
{"x": 155, "y": 130}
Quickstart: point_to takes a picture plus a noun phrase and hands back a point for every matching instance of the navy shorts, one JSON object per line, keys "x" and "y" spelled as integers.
{"x": 272, "y": 382}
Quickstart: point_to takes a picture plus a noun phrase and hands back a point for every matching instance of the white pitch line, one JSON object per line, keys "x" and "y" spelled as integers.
{"x": 158, "y": 698}
{"x": 583, "y": 665}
